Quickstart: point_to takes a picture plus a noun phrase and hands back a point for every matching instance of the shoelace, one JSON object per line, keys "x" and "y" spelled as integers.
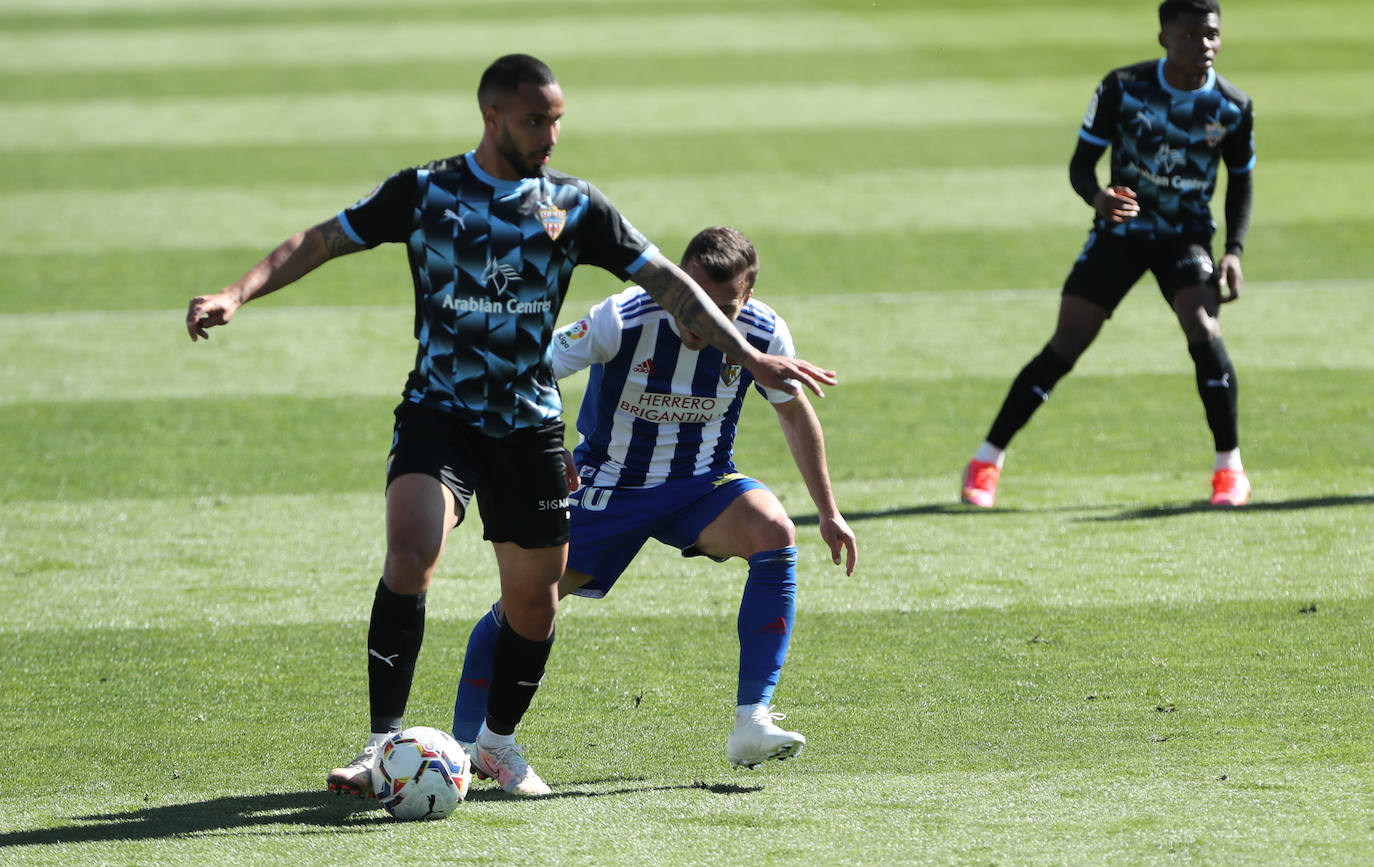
{"x": 368, "y": 756}
{"x": 767, "y": 716}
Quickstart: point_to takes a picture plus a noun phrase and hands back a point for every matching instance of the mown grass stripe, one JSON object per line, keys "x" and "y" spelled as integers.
{"x": 336, "y": 117}
{"x": 482, "y": 40}
{"x": 844, "y": 203}
{"x": 134, "y": 577}
{"x": 364, "y": 116}
{"x": 860, "y": 27}
{"x": 366, "y": 351}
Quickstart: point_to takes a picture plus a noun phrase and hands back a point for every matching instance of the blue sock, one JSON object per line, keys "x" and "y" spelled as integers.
{"x": 766, "y": 612}
{"x": 470, "y": 706}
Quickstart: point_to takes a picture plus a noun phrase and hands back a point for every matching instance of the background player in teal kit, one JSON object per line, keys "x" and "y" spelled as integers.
{"x": 1168, "y": 123}
{"x": 493, "y": 236}
{"x": 658, "y": 425}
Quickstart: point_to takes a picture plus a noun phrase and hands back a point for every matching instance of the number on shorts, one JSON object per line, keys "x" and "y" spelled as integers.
{"x": 596, "y": 499}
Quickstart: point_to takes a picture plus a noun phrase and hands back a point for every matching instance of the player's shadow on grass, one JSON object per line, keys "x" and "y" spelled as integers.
{"x": 896, "y": 512}
{"x": 1171, "y": 510}
{"x": 589, "y": 790}
{"x": 1165, "y": 510}
{"x": 312, "y": 812}
{"x": 958, "y": 509}
{"x": 316, "y": 811}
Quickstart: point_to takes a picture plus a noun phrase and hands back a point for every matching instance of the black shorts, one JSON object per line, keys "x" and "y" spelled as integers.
{"x": 521, "y": 488}
{"x": 1111, "y": 264}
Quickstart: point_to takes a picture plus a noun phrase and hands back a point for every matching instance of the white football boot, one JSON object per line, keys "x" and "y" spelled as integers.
{"x": 470, "y": 747}
{"x": 756, "y": 739}
{"x": 505, "y": 764}
{"x": 355, "y": 778}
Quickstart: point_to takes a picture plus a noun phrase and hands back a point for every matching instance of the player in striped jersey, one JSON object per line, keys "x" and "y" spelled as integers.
{"x": 655, "y": 460}
{"x": 1169, "y": 124}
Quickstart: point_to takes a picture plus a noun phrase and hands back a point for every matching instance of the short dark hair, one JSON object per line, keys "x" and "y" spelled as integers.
{"x": 1171, "y": 9}
{"x": 506, "y": 74}
{"x": 724, "y": 253}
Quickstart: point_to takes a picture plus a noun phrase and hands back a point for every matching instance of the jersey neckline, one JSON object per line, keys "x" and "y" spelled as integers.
{"x": 1205, "y": 86}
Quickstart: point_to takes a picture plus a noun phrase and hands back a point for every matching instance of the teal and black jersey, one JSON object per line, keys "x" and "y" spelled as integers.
{"x": 1166, "y": 145}
{"x": 491, "y": 261}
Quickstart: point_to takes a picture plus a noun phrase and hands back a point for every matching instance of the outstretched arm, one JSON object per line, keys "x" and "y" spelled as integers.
{"x": 679, "y": 294}
{"x": 806, "y": 441}
{"x": 293, "y": 258}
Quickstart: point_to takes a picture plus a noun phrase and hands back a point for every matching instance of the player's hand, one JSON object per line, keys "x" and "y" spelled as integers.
{"x": 783, "y": 373}
{"x": 1229, "y": 278}
{"x": 570, "y": 471}
{"x": 837, "y": 535}
{"x": 1116, "y": 204}
{"x": 207, "y": 311}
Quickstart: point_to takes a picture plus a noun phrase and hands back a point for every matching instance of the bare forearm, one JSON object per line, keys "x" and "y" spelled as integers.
{"x": 806, "y": 441}
{"x": 292, "y": 259}
{"x": 677, "y": 293}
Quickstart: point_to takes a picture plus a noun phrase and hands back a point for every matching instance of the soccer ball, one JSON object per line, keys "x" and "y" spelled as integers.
{"x": 421, "y": 773}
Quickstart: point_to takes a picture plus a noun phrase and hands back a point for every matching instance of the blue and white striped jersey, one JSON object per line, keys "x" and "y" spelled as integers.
{"x": 655, "y": 410}
{"x": 491, "y": 260}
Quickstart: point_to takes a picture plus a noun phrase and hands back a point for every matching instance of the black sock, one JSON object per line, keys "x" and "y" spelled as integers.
{"x": 517, "y": 666}
{"x": 393, "y": 645}
{"x": 1031, "y": 388}
{"x": 1216, "y": 384}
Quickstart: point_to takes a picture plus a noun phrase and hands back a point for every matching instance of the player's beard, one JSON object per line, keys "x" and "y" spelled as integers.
{"x": 507, "y": 148}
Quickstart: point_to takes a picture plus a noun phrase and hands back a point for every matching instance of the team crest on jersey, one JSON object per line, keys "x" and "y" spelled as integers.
{"x": 553, "y": 219}
{"x": 1215, "y": 132}
{"x": 729, "y": 371}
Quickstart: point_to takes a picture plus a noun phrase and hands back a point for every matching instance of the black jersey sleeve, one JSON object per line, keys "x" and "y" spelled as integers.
{"x": 1083, "y": 170}
{"x": 608, "y": 240}
{"x": 1239, "y": 148}
{"x": 385, "y": 214}
{"x": 1240, "y": 195}
{"x": 1099, "y": 122}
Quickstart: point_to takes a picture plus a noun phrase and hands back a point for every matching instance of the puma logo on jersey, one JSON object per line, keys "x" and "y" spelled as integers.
{"x": 450, "y": 214}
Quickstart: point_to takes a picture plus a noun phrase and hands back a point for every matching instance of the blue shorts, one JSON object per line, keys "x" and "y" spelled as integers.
{"x": 609, "y": 526}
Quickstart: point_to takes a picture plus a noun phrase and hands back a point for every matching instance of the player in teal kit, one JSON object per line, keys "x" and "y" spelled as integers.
{"x": 1169, "y": 123}
{"x": 492, "y": 238}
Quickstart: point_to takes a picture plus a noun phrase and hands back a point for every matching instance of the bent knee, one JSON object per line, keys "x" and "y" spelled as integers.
{"x": 408, "y": 568}
{"x": 1199, "y": 327}
{"x": 775, "y": 531}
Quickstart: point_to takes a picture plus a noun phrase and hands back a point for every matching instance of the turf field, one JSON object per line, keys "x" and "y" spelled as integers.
{"x": 1101, "y": 670}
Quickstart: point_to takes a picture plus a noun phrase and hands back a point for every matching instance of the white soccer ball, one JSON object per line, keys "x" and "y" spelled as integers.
{"x": 421, "y": 773}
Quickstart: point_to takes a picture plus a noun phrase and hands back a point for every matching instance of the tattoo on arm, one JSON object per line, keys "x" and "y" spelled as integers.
{"x": 336, "y": 240}
{"x": 664, "y": 283}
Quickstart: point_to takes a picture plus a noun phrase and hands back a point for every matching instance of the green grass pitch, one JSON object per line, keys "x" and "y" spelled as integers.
{"x": 1101, "y": 670}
